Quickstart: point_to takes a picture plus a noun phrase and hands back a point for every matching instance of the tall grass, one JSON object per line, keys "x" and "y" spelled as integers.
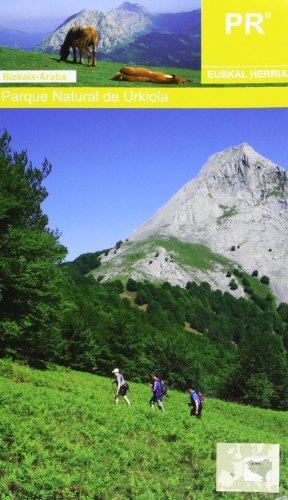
{"x": 61, "y": 436}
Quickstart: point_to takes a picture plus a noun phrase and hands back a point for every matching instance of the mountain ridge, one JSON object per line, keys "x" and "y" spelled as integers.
{"x": 17, "y": 38}
{"x": 122, "y": 30}
{"x": 132, "y": 7}
{"x": 237, "y": 207}
{"x": 243, "y": 156}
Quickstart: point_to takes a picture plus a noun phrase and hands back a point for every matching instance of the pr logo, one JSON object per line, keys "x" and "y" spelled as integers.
{"x": 250, "y": 22}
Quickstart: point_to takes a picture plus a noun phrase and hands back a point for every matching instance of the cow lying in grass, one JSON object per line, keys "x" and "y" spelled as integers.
{"x": 81, "y": 38}
{"x": 133, "y": 74}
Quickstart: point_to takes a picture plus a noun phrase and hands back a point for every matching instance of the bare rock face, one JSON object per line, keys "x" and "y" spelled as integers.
{"x": 117, "y": 28}
{"x": 240, "y": 201}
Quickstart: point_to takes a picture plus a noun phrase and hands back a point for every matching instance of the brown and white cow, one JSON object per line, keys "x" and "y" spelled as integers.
{"x": 81, "y": 38}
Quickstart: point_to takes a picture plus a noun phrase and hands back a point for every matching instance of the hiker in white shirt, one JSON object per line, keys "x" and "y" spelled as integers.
{"x": 122, "y": 387}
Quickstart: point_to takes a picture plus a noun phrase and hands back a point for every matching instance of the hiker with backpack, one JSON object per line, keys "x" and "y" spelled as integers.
{"x": 122, "y": 387}
{"x": 158, "y": 392}
{"x": 196, "y": 402}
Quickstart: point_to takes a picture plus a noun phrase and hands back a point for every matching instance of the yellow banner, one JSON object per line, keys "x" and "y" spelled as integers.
{"x": 244, "y": 41}
{"x": 91, "y": 97}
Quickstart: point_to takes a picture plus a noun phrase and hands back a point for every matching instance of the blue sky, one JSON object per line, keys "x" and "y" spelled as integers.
{"x": 113, "y": 169}
{"x": 29, "y": 15}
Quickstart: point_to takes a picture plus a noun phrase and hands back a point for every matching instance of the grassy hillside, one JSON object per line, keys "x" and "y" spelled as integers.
{"x": 14, "y": 59}
{"x": 100, "y": 76}
{"x": 182, "y": 51}
{"x": 61, "y": 436}
{"x": 189, "y": 256}
{"x": 196, "y": 256}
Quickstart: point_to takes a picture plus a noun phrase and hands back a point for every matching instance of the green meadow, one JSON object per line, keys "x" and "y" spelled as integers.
{"x": 62, "y": 437}
{"x": 99, "y": 76}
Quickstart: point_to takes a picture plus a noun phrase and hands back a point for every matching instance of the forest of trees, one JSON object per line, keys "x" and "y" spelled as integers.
{"x": 50, "y": 311}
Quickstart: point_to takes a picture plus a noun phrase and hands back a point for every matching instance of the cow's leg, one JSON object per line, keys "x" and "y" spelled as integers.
{"x": 80, "y": 55}
{"x": 88, "y": 54}
{"x": 91, "y": 58}
{"x": 74, "y": 55}
{"x": 93, "y": 55}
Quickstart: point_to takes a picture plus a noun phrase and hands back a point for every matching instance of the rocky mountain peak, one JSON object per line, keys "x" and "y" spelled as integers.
{"x": 89, "y": 12}
{"x": 238, "y": 200}
{"x": 236, "y": 155}
{"x": 133, "y": 35}
{"x": 237, "y": 207}
{"x": 241, "y": 167}
{"x": 132, "y": 7}
{"x": 117, "y": 28}
{"x": 84, "y": 17}
{"x": 242, "y": 151}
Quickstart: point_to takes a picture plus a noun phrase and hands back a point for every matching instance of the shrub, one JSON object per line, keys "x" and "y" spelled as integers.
{"x": 283, "y": 311}
{"x": 167, "y": 286}
{"x": 255, "y": 273}
{"x": 141, "y": 299}
{"x": 127, "y": 303}
{"x": 229, "y": 274}
{"x": 119, "y": 244}
{"x": 192, "y": 288}
{"x": 233, "y": 248}
{"x": 132, "y": 285}
{"x": 116, "y": 285}
{"x": 265, "y": 280}
{"x": 248, "y": 290}
{"x": 245, "y": 282}
{"x": 238, "y": 272}
{"x": 233, "y": 285}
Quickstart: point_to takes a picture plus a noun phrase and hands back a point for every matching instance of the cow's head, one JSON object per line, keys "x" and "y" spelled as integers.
{"x": 64, "y": 52}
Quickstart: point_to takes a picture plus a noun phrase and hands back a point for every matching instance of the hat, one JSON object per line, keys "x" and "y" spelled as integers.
{"x": 116, "y": 370}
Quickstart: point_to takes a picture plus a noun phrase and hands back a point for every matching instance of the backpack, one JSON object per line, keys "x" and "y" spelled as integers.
{"x": 163, "y": 387}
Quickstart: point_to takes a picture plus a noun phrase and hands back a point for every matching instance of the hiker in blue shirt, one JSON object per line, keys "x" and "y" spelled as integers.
{"x": 156, "y": 388}
{"x": 196, "y": 403}
{"x": 122, "y": 387}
